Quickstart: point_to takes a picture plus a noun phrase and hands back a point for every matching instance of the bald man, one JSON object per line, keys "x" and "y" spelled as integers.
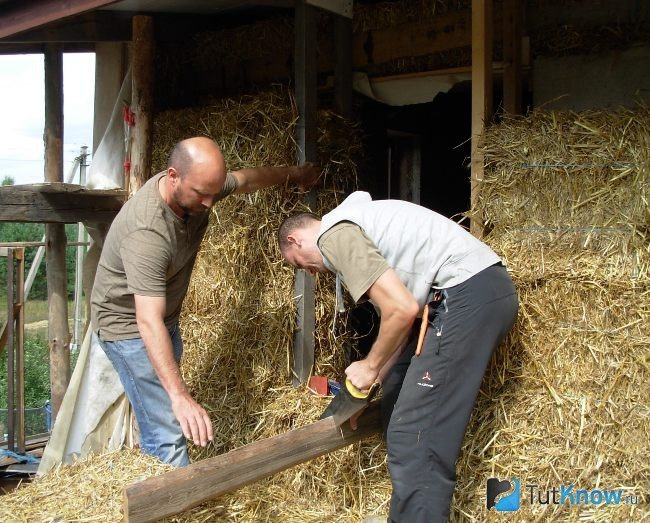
{"x": 142, "y": 278}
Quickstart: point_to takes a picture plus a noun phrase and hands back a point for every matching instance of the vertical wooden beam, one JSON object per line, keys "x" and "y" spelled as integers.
{"x": 142, "y": 101}
{"x": 306, "y": 100}
{"x": 19, "y": 332}
{"x": 11, "y": 381}
{"x": 343, "y": 66}
{"x": 481, "y": 96}
{"x": 55, "y": 240}
{"x": 512, "y": 32}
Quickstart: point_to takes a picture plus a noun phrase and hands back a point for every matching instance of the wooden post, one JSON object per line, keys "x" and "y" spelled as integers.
{"x": 343, "y": 67}
{"x": 184, "y": 488}
{"x": 11, "y": 382}
{"x": 512, "y": 31}
{"x": 305, "y": 79}
{"x": 55, "y": 240}
{"x": 142, "y": 101}
{"x": 19, "y": 334}
{"x": 481, "y": 96}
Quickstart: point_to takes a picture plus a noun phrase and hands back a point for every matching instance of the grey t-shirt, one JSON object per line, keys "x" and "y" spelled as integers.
{"x": 148, "y": 251}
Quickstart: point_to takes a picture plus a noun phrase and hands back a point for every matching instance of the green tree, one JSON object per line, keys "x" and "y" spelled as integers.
{"x": 33, "y": 232}
{"x": 8, "y": 180}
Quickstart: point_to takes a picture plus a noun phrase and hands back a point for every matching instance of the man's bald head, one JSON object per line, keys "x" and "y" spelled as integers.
{"x": 197, "y": 150}
{"x": 196, "y": 174}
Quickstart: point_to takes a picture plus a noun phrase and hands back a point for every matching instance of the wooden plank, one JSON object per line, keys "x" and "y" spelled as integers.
{"x": 445, "y": 31}
{"x": 306, "y": 100}
{"x": 19, "y": 336}
{"x": 55, "y": 240}
{"x": 512, "y": 32}
{"x": 21, "y": 16}
{"x": 481, "y": 96}
{"x": 184, "y": 488}
{"x": 142, "y": 101}
{"x": 89, "y": 27}
{"x": 58, "y": 203}
{"x": 11, "y": 354}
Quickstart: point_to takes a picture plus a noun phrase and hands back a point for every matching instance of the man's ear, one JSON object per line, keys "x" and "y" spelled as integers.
{"x": 172, "y": 173}
{"x": 293, "y": 239}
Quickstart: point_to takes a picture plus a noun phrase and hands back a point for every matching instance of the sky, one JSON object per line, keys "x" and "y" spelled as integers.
{"x": 22, "y": 120}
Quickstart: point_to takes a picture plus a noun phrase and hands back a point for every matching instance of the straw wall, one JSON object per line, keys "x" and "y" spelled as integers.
{"x": 567, "y": 400}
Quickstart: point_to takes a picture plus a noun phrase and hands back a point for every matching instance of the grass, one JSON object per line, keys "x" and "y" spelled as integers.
{"x": 35, "y": 310}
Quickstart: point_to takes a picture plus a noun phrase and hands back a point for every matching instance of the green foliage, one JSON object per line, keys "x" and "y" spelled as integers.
{"x": 37, "y": 374}
{"x": 33, "y": 232}
{"x": 8, "y": 180}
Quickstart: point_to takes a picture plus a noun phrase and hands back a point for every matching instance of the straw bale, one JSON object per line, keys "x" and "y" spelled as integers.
{"x": 88, "y": 490}
{"x": 238, "y": 317}
{"x": 575, "y": 179}
{"x": 565, "y": 400}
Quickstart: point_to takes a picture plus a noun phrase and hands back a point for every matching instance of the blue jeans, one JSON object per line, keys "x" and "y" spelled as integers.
{"x": 160, "y": 432}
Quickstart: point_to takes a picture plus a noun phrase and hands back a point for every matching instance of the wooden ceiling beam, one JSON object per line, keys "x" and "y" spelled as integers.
{"x": 25, "y": 15}
{"x": 96, "y": 26}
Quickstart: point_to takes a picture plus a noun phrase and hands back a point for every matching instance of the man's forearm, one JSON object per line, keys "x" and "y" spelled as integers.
{"x": 256, "y": 178}
{"x": 161, "y": 353}
{"x": 393, "y": 333}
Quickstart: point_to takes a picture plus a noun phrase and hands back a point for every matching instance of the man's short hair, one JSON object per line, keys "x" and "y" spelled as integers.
{"x": 291, "y": 224}
{"x": 180, "y": 158}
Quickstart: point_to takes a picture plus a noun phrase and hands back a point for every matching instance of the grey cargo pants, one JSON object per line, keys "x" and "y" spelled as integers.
{"x": 428, "y": 399}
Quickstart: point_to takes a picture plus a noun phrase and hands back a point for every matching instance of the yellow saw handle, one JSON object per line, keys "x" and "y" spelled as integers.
{"x": 356, "y": 393}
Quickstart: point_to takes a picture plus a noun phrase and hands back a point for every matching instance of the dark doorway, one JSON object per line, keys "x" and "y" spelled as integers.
{"x": 421, "y": 152}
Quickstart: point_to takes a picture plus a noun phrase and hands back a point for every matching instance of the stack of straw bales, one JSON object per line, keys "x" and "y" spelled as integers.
{"x": 566, "y": 400}
{"x": 237, "y": 324}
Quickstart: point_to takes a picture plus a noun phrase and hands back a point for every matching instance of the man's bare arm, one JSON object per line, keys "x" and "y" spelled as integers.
{"x": 255, "y": 178}
{"x": 193, "y": 418}
{"x": 399, "y": 309}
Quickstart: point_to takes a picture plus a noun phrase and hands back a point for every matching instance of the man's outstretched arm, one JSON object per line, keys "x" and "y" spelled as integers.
{"x": 255, "y": 178}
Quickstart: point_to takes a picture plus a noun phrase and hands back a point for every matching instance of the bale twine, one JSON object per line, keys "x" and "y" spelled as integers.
{"x": 565, "y": 400}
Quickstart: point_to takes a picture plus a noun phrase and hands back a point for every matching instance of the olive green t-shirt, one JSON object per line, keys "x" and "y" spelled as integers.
{"x": 149, "y": 251}
{"x": 354, "y": 256}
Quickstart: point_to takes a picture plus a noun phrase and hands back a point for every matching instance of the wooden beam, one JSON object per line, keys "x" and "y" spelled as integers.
{"x": 19, "y": 336}
{"x": 343, "y": 66}
{"x": 58, "y": 203}
{"x": 184, "y": 488}
{"x": 445, "y": 31}
{"x": 90, "y": 27}
{"x": 55, "y": 240}
{"x": 39, "y": 48}
{"x": 142, "y": 101}
{"x": 481, "y": 96}
{"x": 306, "y": 100}
{"x": 11, "y": 354}
{"x": 21, "y": 16}
{"x": 512, "y": 32}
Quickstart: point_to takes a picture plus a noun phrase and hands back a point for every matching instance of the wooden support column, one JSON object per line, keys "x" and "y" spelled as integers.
{"x": 55, "y": 240}
{"x": 306, "y": 100}
{"x": 343, "y": 66}
{"x": 512, "y": 32}
{"x": 142, "y": 101}
{"x": 184, "y": 488}
{"x": 481, "y": 96}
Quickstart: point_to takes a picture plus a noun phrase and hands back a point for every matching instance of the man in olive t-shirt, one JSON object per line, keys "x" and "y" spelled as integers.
{"x": 142, "y": 279}
{"x": 411, "y": 263}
